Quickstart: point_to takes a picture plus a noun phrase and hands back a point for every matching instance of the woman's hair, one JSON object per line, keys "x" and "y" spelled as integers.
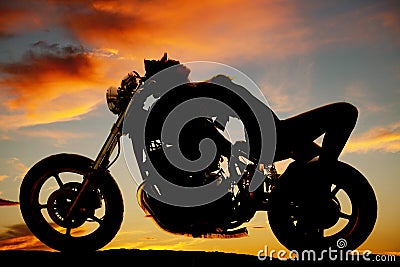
{"x": 154, "y": 66}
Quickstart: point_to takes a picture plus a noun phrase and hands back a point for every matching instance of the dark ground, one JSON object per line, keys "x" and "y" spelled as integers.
{"x": 134, "y": 257}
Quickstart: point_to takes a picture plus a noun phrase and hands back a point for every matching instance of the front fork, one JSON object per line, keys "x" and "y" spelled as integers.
{"x": 102, "y": 160}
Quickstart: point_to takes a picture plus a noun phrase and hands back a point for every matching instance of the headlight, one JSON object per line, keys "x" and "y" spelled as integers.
{"x": 118, "y": 98}
{"x": 113, "y": 100}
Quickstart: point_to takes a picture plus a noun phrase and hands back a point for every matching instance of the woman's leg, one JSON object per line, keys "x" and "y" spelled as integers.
{"x": 336, "y": 120}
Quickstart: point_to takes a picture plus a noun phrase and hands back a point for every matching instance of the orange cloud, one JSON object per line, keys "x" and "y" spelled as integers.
{"x": 22, "y": 242}
{"x": 206, "y": 30}
{"x": 19, "y": 237}
{"x": 50, "y": 83}
{"x": 221, "y": 30}
{"x": 385, "y": 139}
{"x": 30, "y": 78}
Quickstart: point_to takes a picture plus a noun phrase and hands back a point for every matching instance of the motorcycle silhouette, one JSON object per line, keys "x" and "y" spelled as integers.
{"x": 72, "y": 203}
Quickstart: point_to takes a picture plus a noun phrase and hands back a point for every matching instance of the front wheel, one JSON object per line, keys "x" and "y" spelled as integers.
{"x": 346, "y": 222}
{"x": 46, "y": 194}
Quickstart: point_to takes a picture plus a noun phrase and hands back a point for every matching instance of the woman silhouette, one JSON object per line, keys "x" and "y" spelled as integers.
{"x": 295, "y": 136}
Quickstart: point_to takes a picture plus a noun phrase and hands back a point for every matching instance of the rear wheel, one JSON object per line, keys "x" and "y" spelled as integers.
{"x": 345, "y": 222}
{"x": 46, "y": 194}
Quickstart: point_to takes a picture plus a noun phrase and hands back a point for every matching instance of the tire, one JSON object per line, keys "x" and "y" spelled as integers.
{"x": 44, "y": 202}
{"x": 352, "y": 227}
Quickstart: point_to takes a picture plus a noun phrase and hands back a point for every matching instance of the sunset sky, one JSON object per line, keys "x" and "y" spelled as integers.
{"x": 57, "y": 58}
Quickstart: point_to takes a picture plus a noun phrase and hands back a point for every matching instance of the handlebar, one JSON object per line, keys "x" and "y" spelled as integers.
{"x": 131, "y": 82}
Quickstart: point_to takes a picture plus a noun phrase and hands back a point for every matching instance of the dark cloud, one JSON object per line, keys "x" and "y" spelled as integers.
{"x": 18, "y": 236}
{"x": 5, "y": 35}
{"x": 15, "y": 230}
{"x": 43, "y": 58}
{"x": 57, "y": 49}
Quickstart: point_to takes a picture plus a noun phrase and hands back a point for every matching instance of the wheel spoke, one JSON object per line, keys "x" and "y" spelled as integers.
{"x": 42, "y": 206}
{"x": 68, "y": 231}
{"x": 335, "y": 191}
{"x": 96, "y": 219}
{"x": 58, "y": 179}
{"x": 344, "y": 216}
